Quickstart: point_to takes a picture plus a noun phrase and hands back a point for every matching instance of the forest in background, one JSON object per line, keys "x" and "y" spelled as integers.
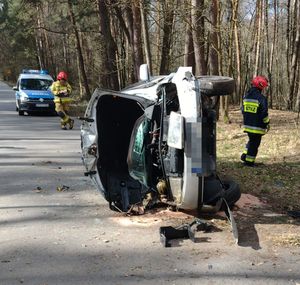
{"x": 103, "y": 42}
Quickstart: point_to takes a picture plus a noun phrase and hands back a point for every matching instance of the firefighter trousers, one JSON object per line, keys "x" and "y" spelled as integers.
{"x": 251, "y": 149}
{"x": 62, "y": 109}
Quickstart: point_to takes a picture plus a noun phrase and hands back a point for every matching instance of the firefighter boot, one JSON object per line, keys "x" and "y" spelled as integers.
{"x": 63, "y": 126}
{"x": 71, "y": 124}
{"x": 243, "y": 157}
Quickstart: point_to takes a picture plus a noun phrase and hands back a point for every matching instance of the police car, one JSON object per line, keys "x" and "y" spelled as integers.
{"x": 33, "y": 93}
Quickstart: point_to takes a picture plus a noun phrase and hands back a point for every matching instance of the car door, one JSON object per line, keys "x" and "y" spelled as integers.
{"x": 90, "y": 140}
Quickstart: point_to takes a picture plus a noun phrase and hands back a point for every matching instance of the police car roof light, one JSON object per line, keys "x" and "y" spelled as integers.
{"x": 34, "y": 71}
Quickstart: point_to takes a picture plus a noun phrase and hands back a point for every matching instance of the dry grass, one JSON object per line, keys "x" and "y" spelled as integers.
{"x": 286, "y": 240}
{"x": 278, "y": 178}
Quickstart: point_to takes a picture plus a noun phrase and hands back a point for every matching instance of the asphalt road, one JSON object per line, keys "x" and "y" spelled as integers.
{"x": 50, "y": 237}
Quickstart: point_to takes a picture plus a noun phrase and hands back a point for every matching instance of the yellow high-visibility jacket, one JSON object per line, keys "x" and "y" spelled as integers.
{"x": 57, "y": 88}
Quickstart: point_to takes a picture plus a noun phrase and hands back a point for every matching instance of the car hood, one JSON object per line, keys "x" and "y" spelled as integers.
{"x": 47, "y": 94}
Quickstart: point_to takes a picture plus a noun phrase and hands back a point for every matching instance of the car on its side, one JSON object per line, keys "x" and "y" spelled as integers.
{"x": 155, "y": 141}
{"x": 33, "y": 93}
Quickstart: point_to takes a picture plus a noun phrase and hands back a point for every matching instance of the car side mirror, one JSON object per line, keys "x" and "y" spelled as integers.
{"x": 144, "y": 72}
{"x": 15, "y": 88}
{"x": 176, "y": 131}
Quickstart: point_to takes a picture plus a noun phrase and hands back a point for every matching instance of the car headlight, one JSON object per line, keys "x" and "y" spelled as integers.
{"x": 24, "y": 98}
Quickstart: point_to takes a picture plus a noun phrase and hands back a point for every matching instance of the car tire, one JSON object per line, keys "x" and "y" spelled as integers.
{"x": 232, "y": 193}
{"x": 21, "y": 113}
{"x": 216, "y": 85}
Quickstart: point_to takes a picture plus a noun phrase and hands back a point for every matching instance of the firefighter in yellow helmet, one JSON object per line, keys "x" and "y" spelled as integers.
{"x": 62, "y": 90}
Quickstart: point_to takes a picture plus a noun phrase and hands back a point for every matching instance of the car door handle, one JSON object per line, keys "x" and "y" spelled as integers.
{"x": 89, "y": 120}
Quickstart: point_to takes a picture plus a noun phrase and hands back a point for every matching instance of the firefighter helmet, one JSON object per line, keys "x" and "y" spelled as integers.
{"x": 62, "y": 75}
{"x": 260, "y": 82}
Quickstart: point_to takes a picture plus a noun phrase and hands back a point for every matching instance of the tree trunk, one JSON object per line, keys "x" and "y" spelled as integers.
{"x": 137, "y": 41}
{"x": 288, "y": 39}
{"x": 271, "y": 55}
{"x": 235, "y": 8}
{"x": 168, "y": 17}
{"x": 198, "y": 32}
{"x": 297, "y": 107}
{"x": 146, "y": 35}
{"x": 79, "y": 51}
{"x": 258, "y": 28}
{"x": 189, "y": 56}
{"x": 39, "y": 39}
{"x": 158, "y": 32}
{"x": 109, "y": 78}
{"x": 214, "y": 38}
{"x": 295, "y": 59}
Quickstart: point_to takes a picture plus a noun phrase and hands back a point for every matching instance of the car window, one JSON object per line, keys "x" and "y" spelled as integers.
{"x": 35, "y": 84}
{"x": 136, "y": 155}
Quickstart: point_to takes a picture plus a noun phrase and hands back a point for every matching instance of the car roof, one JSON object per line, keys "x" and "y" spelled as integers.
{"x": 35, "y": 76}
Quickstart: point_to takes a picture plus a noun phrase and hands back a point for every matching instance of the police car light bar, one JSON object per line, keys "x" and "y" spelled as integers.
{"x": 34, "y": 71}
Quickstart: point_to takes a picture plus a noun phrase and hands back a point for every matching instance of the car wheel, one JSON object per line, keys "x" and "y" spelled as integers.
{"x": 216, "y": 85}
{"x": 21, "y": 113}
{"x": 232, "y": 193}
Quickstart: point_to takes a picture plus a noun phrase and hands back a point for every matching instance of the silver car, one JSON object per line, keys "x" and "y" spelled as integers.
{"x": 155, "y": 142}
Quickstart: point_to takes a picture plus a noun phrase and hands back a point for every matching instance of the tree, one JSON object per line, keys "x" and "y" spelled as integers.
{"x": 295, "y": 47}
{"x": 79, "y": 51}
{"x": 137, "y": 31}
{"x": 109, "y": 76}
{"x": 168, "y": 8}
{"x": 144, "y": 23}
{"x": 189, "y": 56}
{"x": 198, "y": 32}
{"x": 111, "y": 38}
{"x": 214, "y": 38}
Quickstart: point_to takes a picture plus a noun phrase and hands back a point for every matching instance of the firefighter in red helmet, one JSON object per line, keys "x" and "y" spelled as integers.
{"x": 255, "y": 117}
{"x": 62, "y": 90}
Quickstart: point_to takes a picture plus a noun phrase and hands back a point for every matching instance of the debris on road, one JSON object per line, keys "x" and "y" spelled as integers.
{"x": 62, "y": 188}
{"x": 185, "y": 231}
{"x": 38, "y": 189}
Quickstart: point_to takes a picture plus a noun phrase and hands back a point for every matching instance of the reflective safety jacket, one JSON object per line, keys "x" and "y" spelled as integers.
{"x": 57, "y": 88}
{"x": 255, "y": 112}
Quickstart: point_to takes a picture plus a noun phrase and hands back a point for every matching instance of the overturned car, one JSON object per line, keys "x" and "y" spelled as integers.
{"x": 157, "y": 139}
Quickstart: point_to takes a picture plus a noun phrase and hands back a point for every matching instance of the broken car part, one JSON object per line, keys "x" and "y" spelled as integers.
{"x": 186, "y": 231}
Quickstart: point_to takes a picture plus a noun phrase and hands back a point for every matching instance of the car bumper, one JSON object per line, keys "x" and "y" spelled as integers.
{"x": 37, "y": 106}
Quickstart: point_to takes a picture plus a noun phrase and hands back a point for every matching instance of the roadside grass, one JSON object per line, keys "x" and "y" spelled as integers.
{"x": 277, "y": 177}
{"x": 78, "y": 108}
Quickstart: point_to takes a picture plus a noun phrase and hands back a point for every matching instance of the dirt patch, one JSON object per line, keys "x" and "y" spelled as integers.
{"x": 250, "y": 201}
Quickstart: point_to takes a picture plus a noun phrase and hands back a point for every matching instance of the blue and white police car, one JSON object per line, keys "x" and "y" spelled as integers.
{"x": 33, "y": 93}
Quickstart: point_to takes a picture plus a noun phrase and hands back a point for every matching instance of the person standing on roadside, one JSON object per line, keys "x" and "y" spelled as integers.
{"x": 62, "y": 90}
{"x": 255, "y": 118}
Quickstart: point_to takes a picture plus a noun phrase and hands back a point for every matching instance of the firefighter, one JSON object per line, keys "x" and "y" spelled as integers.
{"x": 256, "y": 120}
{"x": 62, "y": 90}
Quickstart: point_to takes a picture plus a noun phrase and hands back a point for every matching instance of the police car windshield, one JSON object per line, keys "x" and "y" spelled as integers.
{"x": 35, "y": 84}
